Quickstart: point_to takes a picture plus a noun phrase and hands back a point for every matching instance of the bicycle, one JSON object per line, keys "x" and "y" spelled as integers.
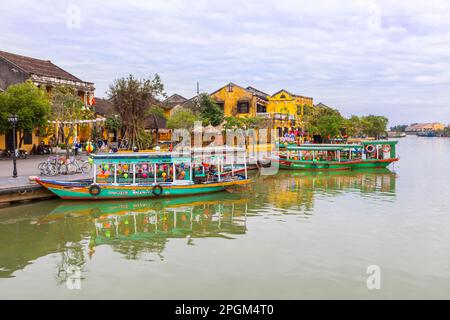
{"x": 74, "y": 166}
{"x": 53, "y": 166}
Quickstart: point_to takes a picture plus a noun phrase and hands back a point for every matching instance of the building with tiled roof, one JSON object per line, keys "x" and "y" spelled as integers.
{"x": 44, "y": 74}
{"x": 424, "y": 127}
{"x": 16, "y": 68}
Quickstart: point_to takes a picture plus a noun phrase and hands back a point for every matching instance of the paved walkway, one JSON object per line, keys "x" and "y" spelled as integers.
{"x": 25, "y": 169}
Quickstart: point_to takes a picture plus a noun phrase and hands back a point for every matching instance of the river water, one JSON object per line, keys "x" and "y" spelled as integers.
{"x": 290, "y": 236}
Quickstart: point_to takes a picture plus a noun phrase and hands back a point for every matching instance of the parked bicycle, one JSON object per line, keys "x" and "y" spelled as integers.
{"x": 60, "y": 165}
{"x": 53, "y": 166}
{"x": 76, "y": 165}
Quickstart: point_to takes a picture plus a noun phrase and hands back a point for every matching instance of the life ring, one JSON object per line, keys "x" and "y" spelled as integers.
{"x": 386, "y": 148}
{"x": 94, "y": 190}
{"x": 314, "y": 166}
{"x": 370, "y": 148}
{"x": 157, "y": 193}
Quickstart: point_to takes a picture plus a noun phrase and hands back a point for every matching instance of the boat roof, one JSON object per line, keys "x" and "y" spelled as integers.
{"x": 166, "y": 157}
{"x": 323, "y": 148}
{"x": 378, "y": 142}
{"x": 134, "y": 157}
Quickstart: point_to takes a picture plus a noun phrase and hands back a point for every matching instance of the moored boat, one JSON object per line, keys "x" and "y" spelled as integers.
{"x": 153, "y": 175}
{"x": 368, "y": 154}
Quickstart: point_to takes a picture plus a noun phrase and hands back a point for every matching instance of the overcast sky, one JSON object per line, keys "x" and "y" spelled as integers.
{"x": 362, "y": 57}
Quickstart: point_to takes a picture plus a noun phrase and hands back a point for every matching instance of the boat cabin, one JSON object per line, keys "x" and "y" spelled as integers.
{"x": 324, "y": 153}
{"x": 380, "y": 150}
{"x": 165, "y": 168}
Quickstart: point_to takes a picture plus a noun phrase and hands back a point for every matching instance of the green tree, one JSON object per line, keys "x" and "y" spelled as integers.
{"x": 67, "y": 109}
{"x": 29, "y": 103}
{"x": 324, "y": 121}
{"x": 243, "y": 123}
{"x": 330, "y": 125}
{"x": 113, "y": 123}
{"x": 353, "y": 126}
{"x": 374, "y": 126}
{"x": 157, "y": 111}
{"x": 132, "y": 99}
{"x": 399, "y": 128}
{"x": 446, "y": 132}
{"x": 182, "y": 119}
{"x": 210, "y": 113}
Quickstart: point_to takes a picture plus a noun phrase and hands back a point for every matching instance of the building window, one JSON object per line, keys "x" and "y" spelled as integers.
{"x": 243, "y": 107}
{"x": 230, "y": 88}
{"x": 28, "y": 138}
{"x": 261, "y": 108}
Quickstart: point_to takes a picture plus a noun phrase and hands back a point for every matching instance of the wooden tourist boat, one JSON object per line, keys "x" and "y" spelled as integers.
{"x": 139, "y": 175}
{"x": 368, "y": 154}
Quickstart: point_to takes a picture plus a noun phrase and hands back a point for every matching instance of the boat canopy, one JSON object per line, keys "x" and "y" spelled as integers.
{"x": 323, "y": 147}
{"x": 163, "y": 157}
{"x": 380, "y": 142}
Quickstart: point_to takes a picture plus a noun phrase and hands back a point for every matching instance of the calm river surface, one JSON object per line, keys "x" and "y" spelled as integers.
{"x": 292, "y": 236}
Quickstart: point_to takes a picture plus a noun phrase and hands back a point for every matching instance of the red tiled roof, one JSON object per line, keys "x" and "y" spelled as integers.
{"x": 38, "y": 67}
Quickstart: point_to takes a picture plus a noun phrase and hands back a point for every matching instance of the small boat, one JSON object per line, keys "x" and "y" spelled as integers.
{"x": 396, "y": 134}
{"x": 427, "y": 134}
{"x": 151, "y": 175}
{"x": 368, "y": 154}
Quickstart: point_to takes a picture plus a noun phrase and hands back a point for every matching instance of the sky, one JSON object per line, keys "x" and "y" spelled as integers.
{"x": 387, "y": 58}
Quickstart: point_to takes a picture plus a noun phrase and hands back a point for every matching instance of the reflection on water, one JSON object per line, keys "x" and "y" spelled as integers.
{"x": 298, "y": 190}
{"x": 137, "y": 229}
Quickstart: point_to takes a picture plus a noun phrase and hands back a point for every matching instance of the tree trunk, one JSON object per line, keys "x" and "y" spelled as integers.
{"x": 66, "y": 140}
{"x": 21, "y": 137}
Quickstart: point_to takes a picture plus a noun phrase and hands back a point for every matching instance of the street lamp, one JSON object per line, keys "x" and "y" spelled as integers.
{"x": 13, "y": 119}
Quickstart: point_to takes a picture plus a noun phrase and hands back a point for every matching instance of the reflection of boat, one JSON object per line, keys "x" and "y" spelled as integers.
{"x": 212, "y": 215}
{"x": 137, "y": 175}
{"x": 299, "y": 189}
{"x": 117, "y": 207}
{"x": 329, "y": 157}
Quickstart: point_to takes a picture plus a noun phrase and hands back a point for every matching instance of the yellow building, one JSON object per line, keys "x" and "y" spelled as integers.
{"x": 236, "y": 101}
{"x": 287, "y": 109}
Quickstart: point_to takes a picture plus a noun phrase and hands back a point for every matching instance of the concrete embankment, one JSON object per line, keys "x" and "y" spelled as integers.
{"x": 23, "y": 193}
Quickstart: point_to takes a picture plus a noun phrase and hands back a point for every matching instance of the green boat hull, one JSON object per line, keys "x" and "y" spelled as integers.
{"x": 67, "y": 190}
{"x": 333, "y": 166}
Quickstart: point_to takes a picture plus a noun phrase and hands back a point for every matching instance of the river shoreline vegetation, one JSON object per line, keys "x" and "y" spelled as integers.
{"x": 134, "y": 99}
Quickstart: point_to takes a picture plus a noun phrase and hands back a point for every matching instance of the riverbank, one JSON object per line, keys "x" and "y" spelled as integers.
{"x": 20, "y": 189}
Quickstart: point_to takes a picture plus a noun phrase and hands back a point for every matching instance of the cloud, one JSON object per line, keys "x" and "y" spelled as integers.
{"x": 360, "y": 56}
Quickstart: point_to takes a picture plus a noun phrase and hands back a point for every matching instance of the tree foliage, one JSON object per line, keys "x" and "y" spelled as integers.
{"x": 243, "y": 123}
{"x": 353, "y": 126}
{"x": 133, "y": 100}
{"x": 324, "y": 121}
{"x": 182, "y": 119}
{"x": 208, "y": 111}
{"x": 113, "y": 123}
{"x": 29, "y": 103}
{"x": 399, "y": 128}
{"x": 374, "y": 126}
{"x": 67, "y": 109}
